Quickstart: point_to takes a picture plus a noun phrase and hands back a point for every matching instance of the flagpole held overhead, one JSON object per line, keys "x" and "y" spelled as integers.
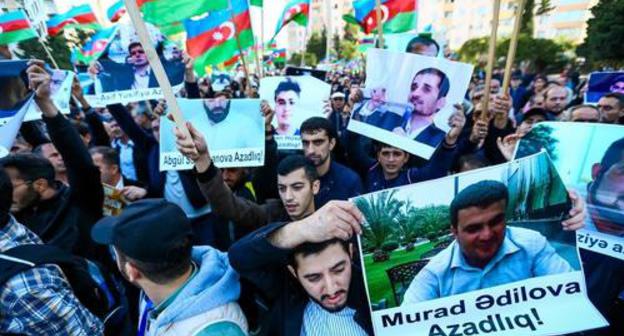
{"x": 490, "y": 62}
{"x": 156, "y": 65}
{"x": 240, "y": 49}
{"x": 513, "y": 44}
{"x": 379, "y": 14}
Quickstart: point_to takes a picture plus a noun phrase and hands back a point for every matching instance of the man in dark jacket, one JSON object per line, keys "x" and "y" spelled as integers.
{"x": 61, "y": 215}
{"x": 305, "y": 268}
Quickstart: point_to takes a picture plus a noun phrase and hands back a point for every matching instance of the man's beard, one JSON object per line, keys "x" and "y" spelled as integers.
{"x": 220, "y": 115}
{"x": 331, "y": 310}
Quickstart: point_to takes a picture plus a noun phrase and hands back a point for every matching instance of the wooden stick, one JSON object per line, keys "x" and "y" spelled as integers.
{"x": 262, "y": 40}
{"x": 156, "y": 65}
{"x": 240, "y": 50}
{"x": 378, "y": 13}
{"x": 47, "y": 51}
{"x": 490, "y": 63}
{"x": 513, "y": 44}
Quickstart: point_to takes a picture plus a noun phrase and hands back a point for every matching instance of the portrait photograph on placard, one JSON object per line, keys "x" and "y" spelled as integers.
{"x": 603, "y": 83}
{"x": 409, "y": 99}
{"x": 491, "y": 230}
{"x": 294, "y": 99}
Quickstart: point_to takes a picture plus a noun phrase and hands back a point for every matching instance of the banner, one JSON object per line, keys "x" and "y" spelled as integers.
{"x": 10, "y": 123}
{"x": 124, "y": 75}
{"x": 408, "y": 99}
{"x": 602, "y": 83}
{"x": 234, "y": 131}
{"x": 590, "y": 158}
{"x": 60, "y": 86}
{"x": 485, "y": 254}
{"x": 294, "y": 100}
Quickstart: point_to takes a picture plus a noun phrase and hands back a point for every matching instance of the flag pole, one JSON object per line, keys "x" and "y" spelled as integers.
{"x": 47, "y": 51}
{"x": 262, "y": 39}
{"x": 154, "y": 61}
{"x": 490, "y": 62}
{"x": 513, "y": 44}
{"x": 240, "y": 49}
{"x": 378, "y": 14}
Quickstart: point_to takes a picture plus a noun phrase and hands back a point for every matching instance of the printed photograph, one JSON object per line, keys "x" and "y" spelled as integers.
{"x": 602, "y": 83}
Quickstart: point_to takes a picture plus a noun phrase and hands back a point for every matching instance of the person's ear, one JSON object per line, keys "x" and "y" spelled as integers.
{"x": 596, "y": 167}
{"x": 351, "y": 250}
{"x": 292, "y": 271}
{"x": 440, "y": 103}
{"x": 332, "y": 144}
{"x": 116, "y": 169}
{"x": 454, "y": 230}
{"x": 40, "y": 185}
{"x": 316, "y": 186}
{"x": 132, "y": 272}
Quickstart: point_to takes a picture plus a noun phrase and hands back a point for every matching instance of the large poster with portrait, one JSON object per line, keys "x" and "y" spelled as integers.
{"x": 233, "y": 129}
{"x": 602, "y": 83}
{"x": 294, "y": 99}
{"x": 409, "y": 99}
{"x": 590, "y": 159}
{"x": 485, "y": 254}
{"x": 123, "y": 73}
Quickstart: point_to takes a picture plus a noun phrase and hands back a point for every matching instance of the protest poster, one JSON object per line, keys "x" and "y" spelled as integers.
{"x": 123, "y": 74}
{"x": 400, "y": 42}
{"x": 602, "y": 83}
{"x": 60, "y": 87}
{"x": 294, "y": 100}
{"x": 316, "y": 73}
{"x": 485, "y": 254}
{"x": 114, "y": 201}
{"x": 408, "y": 99}
{"x": 590, "y": 159}
{"x": 10, "y": 123}
{"x": 234, "y": 132}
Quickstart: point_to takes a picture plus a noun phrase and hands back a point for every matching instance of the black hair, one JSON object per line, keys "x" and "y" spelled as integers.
{"x": 444, "y": 84}
{"x": 315, "y": 124}
{"x": 616, "y": 95}
{"x": 109, "y": 155}
{"x": 309, "y": 248}
{"x": 170, "y": 268}
{"x": 132, "y": 45}
{"x": 38, "y": 150}
{"x": 427, "y": 41}
{"x": 30, "y": 167}
{"x": 481, "y": 194}
{"x": 294, "y": 162}
{"x": 6, "y": 197}
{"x": 288, "y": 85}
{"x": 81, "y": 127}
{"x": 618, "y": 79}
{"x": 473, "y": 160}
{"x": 378, "y": 146}
{"x": 613, "y": 155}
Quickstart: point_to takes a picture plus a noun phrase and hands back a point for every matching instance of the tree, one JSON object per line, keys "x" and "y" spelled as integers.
{"x": 380, "y": 211}
{"x": 604, "y": 42}
{"x": 309, "y": 59}
{"x": 530, "y": 11}
{"x": 317, "y": 44}
{"x": 59, "y": 47}
{"x": 539, "y": 138}
{"x": 472, "y": 49}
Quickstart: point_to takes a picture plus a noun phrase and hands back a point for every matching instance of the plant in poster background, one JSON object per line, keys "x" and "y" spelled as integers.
{"x": 407, "y": 248}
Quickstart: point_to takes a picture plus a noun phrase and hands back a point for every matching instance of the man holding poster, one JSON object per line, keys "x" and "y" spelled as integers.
{"x": 486, "y": 253}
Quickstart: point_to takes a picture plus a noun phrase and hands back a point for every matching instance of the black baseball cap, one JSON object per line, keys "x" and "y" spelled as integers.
{"x": 145, "y": 230}
{"x": 533, "y": 112}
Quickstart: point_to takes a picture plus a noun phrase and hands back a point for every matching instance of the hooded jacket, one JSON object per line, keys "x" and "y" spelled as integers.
{"x": 209, "y": 296}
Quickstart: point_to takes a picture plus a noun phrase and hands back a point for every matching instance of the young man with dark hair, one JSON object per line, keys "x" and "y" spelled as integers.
{"x": 107, "y": 160}
{"x": 423, "y": 45}
{"x": 61, "y": 215}
{"x": 38, "y": 301}
{"x": 483, "y": 242}
{"x": 286, "y": 97}
{"x": 337, "y": 181}
{"x": 611, "y": 107}
{"x": 184, "y": 289}
{"x": 305, "y": 269}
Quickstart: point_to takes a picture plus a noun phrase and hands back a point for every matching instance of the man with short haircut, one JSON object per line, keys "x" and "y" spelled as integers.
{"x": 38, "y": 301}
{"x": 611, "y": 107}
{"x": 423, "y": 45}
{"x": 305, "y": 268}
{"x": 584, "y": 113}
{"x": 427, "y": 96}
{"x": 487, "y": 253}
{"x": 185, "y": 289}
{"x": 618, "y": 85}
{"x": 107, "y": 160}
{"x": 286, "y": 97}
{"x": 555, "y": 101}
{"x": 337, "y": 181}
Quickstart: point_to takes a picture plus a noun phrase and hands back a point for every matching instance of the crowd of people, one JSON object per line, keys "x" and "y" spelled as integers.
{"x": 265, "y": 251}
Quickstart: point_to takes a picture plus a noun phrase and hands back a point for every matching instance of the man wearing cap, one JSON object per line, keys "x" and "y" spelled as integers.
{"x": 185, "y": 289}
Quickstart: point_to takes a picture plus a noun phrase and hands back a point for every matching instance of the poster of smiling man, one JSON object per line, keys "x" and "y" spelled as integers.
{"x": 487, "y": 254}
{"x": 123, "y": 74}
{"x": 590, "y": 158}
{"x": 409, "y": 99}
{"x": 294, "y": 99}
{"x": 220, "y": 121}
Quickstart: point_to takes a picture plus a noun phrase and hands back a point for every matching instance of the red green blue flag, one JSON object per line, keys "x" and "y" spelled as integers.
{"x": 279, "y": 56}
{"x": 116, "y": 11}
{"x": 161, "y": 12}
{"x": 77, "y": 16}
{"x": 212, "y": 40}
{"x": 15, "y": 27}
{"x": 295, "y": 10}
{"x": 397, "y": 15}
{"x": 95, "y": 46}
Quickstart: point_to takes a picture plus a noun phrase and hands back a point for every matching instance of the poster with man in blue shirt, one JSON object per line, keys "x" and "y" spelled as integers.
{"x": 509, "y": 262}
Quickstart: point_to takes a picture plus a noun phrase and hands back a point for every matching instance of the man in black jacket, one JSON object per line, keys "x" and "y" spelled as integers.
{"x": 305, "y": 268}
{"x": 60, "y": 214}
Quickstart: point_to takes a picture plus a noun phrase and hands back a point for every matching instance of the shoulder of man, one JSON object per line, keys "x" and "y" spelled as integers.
{"x": 442, "y": 261}
{"x": 530, "y": 240}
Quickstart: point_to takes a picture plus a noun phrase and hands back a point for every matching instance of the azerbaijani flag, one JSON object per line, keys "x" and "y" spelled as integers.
{"x": 161, "y": 12}
{"x": 15, "y": 27}
{"x": 295, "y": 10}
{"x": 279, "y": 55}
{"x": 397, "y": 15}
{"x": 77, "y": 16}
{"x": 116, "y": 11}
{"x": 96, "y": 45}
{"x": 213, "y": 39}
{"x": 229, "y": 64}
